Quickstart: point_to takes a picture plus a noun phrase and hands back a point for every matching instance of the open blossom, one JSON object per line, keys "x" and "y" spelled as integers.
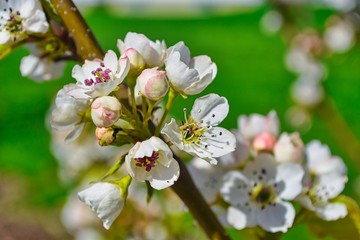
{"x": 106, "y": 199}
{"x": 20, "y": 18}
{"x": 187, "y": 75}
{"x": 152, "y": 160}
{"x": 68, "y": 112}
{"x": 105, "y": 111}
{"x": 199, "y": 135}
{"x": 153, "y": 53}
{"x": 256, "y": 194}
{"x": 324, "y": 180}
{"x": 100, "y": 77}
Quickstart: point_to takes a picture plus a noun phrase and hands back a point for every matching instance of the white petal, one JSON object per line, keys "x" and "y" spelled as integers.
{"x": 183, "y": 51}
{"x": 289, "y": 180}
{"x": 277, "y": 218}
{"x": 262, "y": 168}
{"x": 111, "y": 61}
{"x": 121, "y": 46}
{"x": 105, "y": 200}
{"x": 179, "y": 74}
{"x": 236, "y": 218}
{"x": 204, "y": 66}
{"x": 235, "y": 188}
{"x": 330, "y": 185}
{"x": 240, "y": 155}
{"x": 75, "y": 133}
{"x": 207, "y": 178}
{"x": 332, "y": 211}
{"x": 219, "y": 141}
{"x": 210, "y": 109}
{"x": 172, "y": 131}
{"x": 36, "y": 23}
{"x": 163, "y": 177}
{"x": 4, "y": 37}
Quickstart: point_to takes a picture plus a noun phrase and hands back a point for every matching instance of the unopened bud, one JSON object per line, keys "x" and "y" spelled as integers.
{"x": 105, "y": 111}
{"x": 264, "y": 142}
{"x": 289, "y": 148}
{"x": 153, "y": 84}
{"x": 137, "y": 62}
{"x": 104, "y": 136}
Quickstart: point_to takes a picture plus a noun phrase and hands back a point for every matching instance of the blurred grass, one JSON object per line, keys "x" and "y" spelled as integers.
{"x": 251, "y": 74}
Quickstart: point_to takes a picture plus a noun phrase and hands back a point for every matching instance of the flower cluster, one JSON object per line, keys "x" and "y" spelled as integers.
{"x": 121, "y": 98}
{"x": 258, "y": 180}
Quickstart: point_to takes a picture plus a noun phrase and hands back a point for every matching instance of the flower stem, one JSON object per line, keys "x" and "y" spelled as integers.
{"x": 172, "y": 96}
{"x": 340, "y": 130}
{"x": 185, "y": 188}
{"x": 86, "y": 44}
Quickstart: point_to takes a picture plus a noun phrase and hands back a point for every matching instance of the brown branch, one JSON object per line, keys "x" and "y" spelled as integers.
{"x": 86, "y": 44}
{"x": 185, "y": 188}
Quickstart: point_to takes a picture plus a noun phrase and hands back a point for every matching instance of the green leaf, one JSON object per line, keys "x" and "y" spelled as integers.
{"x": 345, "y": 228}
{"x": 5, "y": 50}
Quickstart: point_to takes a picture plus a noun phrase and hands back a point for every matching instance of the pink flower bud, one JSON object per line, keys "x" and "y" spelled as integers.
{"x": 104, "y": 136}
{"x": 289, "y": 148}
{"x": 105, "y": 111}
{"x": 137, "y": 62}
{"x": 153, "y": 84}
{"x": 264, "y": 142}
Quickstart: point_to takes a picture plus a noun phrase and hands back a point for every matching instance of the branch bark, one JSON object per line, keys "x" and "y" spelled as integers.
{"x": 185, "y": 188}
{"x": 86, "y": 44}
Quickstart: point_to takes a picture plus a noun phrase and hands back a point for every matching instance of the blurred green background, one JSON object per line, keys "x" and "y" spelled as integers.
{"x": 251, "y": 75}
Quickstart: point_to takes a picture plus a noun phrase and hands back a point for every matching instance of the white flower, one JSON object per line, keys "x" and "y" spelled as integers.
{"x": 18, "y": 18}
{"x": 152, "y": 160}
{"x": 289, "y": 148}
{"x": 255, "y": 124}
{"x": 324, "y": 180}
{"x": 105, "y": 111}
{"x": 199, "y": 135}
{"x": 153, "y": 53}
{"x": 187, "y": 75}
{"x": 68, "y": 112}
{"x": 106, "y": 199}
{"x": 99, "y": 78}
{"x": 319, "y": 159}
{"x": 41, "y": 69}
{"x": 256, "y": 194}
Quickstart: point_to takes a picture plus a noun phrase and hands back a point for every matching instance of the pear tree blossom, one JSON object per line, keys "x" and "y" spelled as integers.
{"x": 111, "y": 126}
{"x": 256, "y": 195}
{"x": 152, "y": 160}
{"x": 106, "y": 199}
{"x": 19, "y": 19}
{"x": 69, "y": 112}
{"x": 153, "y": 53}
{"x": 199, "y": 135}
{"x": 324, "y": 180}
{"x": 100, "y": 77}
{"x": 188, "y": 76}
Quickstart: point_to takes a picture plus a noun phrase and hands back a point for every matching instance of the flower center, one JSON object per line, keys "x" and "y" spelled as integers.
{"x": 13, "y": 23}
{"x": 100, "y": 74}
{"x": 191, "y": 132}
{"x": 263, "y": 194}
{"x": 147, "y": 162}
